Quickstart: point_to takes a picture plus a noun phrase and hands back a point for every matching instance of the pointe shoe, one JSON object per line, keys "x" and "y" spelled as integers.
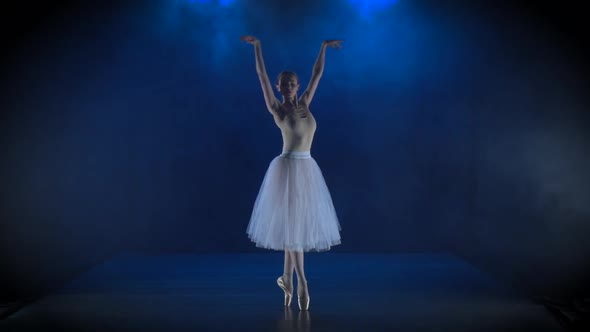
{"x": 288, "y": 295}
{"x": 303, "y": 302}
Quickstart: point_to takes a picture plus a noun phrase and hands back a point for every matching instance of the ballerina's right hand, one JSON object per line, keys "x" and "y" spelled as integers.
{"x": 250, "y": 39}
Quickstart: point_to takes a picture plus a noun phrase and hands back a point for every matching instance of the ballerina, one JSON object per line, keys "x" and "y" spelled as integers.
{"x": 293, "y": 210}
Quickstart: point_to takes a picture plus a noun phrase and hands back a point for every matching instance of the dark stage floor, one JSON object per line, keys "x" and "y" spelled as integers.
{"x": 237, "y": 292}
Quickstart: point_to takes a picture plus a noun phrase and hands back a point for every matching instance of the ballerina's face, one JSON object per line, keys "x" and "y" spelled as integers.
{"x": 288, "y": 86}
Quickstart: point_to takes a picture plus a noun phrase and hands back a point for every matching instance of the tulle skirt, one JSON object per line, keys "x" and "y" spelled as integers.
{"x": 294, "y": 209}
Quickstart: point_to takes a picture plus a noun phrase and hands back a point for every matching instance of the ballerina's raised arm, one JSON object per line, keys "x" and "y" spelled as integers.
{"x": 318, "y": 70}
{"x": 272, "y": 103}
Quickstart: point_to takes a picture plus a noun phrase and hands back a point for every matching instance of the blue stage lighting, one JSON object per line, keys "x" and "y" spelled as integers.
{"x": 223, "y": 3}
{"x": 369, "y": 7}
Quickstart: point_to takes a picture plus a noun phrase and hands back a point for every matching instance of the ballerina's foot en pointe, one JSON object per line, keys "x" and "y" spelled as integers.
{"x": 302, "y": 293}
{"x": 287, "y": 288}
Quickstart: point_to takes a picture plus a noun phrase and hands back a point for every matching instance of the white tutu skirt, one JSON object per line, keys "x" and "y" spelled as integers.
{"x": 294, "y": 210}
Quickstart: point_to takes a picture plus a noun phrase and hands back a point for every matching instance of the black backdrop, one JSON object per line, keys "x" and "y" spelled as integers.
{"x": 141, "y": 127}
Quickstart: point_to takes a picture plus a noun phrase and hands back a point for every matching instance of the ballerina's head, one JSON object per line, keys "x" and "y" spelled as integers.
{"x": 288, "y": 84}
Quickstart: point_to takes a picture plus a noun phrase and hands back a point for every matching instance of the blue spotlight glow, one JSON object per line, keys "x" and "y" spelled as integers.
{"x": 223, "y": 3}
{"x": 367, "y": 8}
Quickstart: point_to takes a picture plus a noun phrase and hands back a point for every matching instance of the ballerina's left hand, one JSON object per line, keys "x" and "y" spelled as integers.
{"x": 334, "y": 43}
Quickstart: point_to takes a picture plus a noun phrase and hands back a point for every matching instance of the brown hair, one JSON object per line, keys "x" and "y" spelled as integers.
{"x": 287, "y": 73}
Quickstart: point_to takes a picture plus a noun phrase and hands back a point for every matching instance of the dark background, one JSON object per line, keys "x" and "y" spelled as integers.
{"x": 141, "y": 126}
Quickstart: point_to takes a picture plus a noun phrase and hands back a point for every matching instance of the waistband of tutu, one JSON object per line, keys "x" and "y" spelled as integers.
{"x": 296, "y": 154}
